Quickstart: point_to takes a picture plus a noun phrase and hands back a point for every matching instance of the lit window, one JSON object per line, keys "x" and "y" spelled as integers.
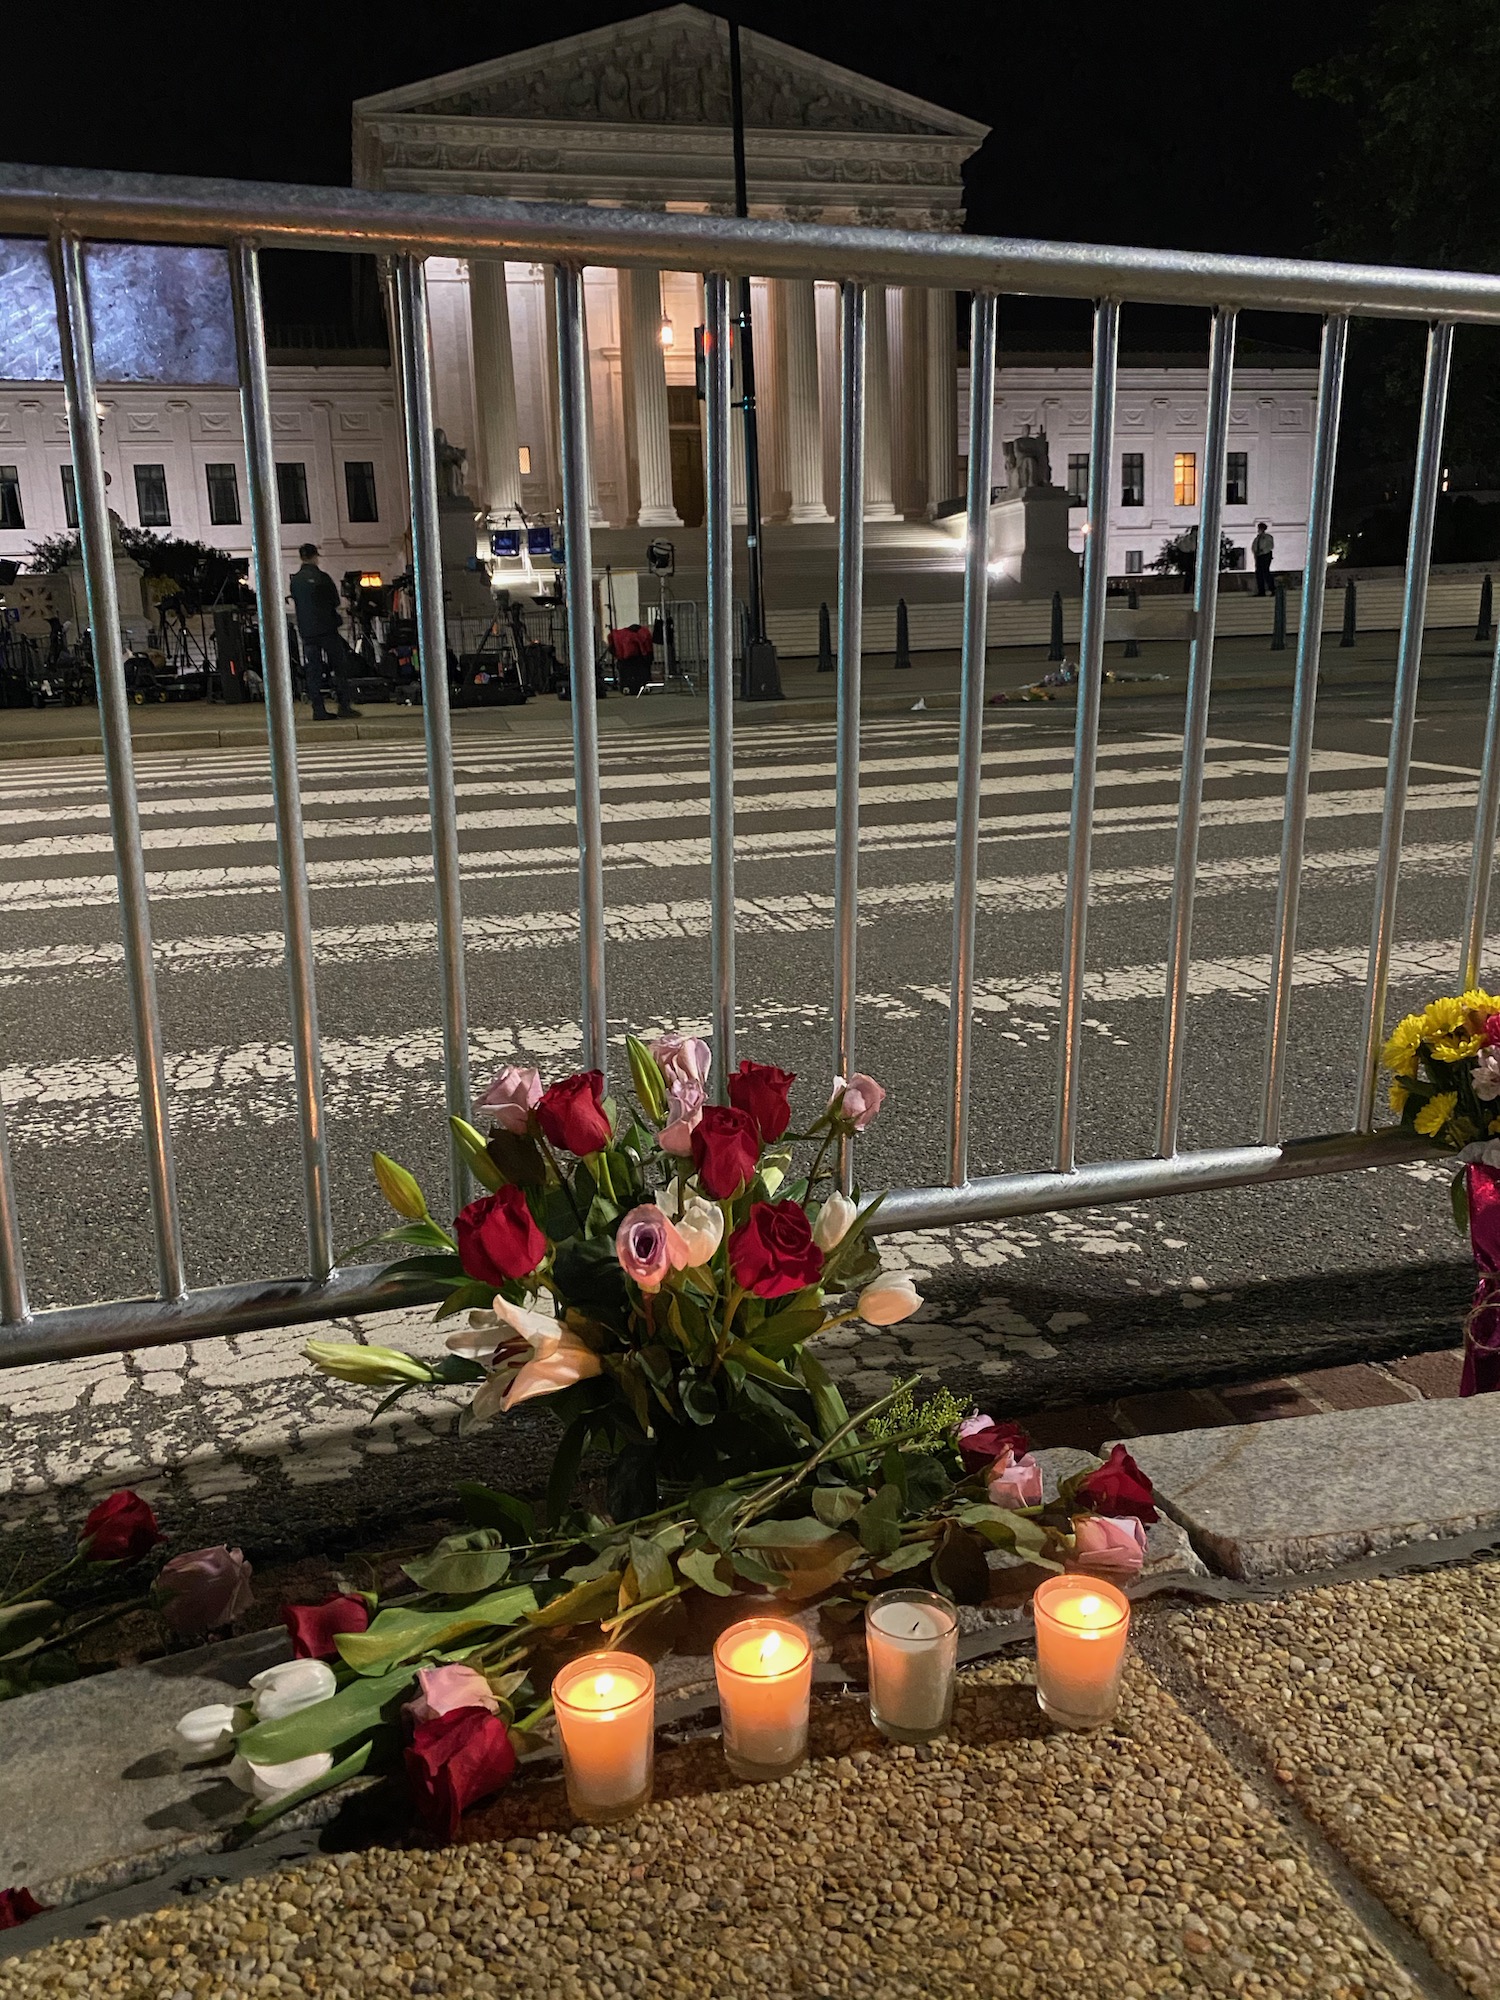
{"x": 1133, "y": 479}
{"x": 1135, "y": 562}
{"x": 1237, "y": 480}
{"x": 359, "y": 489}
{"x": 11, "y": 513}
{"x": 151, "y": 496}
{"x": 1185, "y": 479}
{"x": 1078, "y": 478}
{"x": 223, "y": 495}
{"x": 291, "y": 491}
{"x": 525, "y": 461}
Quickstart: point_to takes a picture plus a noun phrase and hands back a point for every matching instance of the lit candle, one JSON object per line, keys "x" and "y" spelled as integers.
{"x": 911, "y": 1641}
{"x": 1082, "y": 1625}
{"x": 606, "y": 1717}
{"x": 764, "y": 1671}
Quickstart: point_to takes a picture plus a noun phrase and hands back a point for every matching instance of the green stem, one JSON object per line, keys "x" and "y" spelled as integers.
{"x": 30, "y": 1590}
{"x": 779, "y": 1489}
{"x": 89, "y": 1625}
{"x": 562, "y": 1179}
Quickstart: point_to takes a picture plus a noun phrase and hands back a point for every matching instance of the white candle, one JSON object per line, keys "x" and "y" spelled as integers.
{"x": 606, "y": 1718}
{"x": 764, "y": 1670}
{"x": 1082, "y": 1624}
{"x": 911, "y": 1641}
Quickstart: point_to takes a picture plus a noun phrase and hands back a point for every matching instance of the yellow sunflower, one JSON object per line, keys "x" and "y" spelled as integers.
{"x": 1435, "y": 1113}
{"x": 1457, "y": 1047}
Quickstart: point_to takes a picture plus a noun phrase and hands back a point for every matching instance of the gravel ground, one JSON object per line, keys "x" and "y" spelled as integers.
{"x": 1008, "y": 1861}
{"x": 1376, "y": 1703}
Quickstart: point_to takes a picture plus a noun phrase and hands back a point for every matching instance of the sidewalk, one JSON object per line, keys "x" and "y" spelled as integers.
{"x": 1452, "y": 660}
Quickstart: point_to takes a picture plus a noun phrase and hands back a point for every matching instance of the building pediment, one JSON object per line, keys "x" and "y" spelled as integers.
{"x": 671, "y": 68}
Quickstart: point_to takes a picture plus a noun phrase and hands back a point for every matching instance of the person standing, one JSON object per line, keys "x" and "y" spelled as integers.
{"x": 1263, "y": 548}
{"x": 315, "y": 599}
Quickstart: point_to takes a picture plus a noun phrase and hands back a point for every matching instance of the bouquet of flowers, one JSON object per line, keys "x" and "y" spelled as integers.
{"x": 1445, "y": 1085}
{"x": 654, "y": 1270}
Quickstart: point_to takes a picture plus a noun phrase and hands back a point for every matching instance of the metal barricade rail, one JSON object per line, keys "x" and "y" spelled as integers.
{"x": 72, "y": 209}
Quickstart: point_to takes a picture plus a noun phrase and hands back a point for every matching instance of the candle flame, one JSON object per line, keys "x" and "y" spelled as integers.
{"x": 604, "y": 1685}
{"x": 1089, "y": 1606}
{"x": 770, "y": 1647}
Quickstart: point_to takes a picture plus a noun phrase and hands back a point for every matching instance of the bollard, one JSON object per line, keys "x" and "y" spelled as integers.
{"x": 1486, "y": 607}
{"x": 903, "y": 635}
{"x": 1055, "y": 650}
{"x": 1278, "y": 619}
{"x": 1132, "y": 644}
{"x": 1347, "y": 636}
{"x": 825, "y": 641}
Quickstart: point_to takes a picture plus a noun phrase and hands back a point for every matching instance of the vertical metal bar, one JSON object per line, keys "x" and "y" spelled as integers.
{"x": 76, "y": 338}
{"x": 1086, "y": 728}
{"x": 1195, "y": 724}
{"x": 276, "y": 665}
{"x": 1425, "y": 485}
{"x": 576, "y": 446}
{"x": 14, "y": 1311}
{"x": 851, "y": 640}
{"x": 971, "y": 726}
{"x": 1486, "y": 816}
{"x": 719, "y": 533}
{"x": 415, "y": 376}
{"x": 1304, "y": 704}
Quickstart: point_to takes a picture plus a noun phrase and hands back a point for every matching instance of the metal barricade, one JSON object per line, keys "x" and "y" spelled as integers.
{"x": 70, "y": 209}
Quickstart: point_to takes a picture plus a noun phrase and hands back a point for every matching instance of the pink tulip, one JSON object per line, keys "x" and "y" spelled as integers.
{"x": 685, "y": 1104}
{"x": 445, "y": 1688}
{"x": 648, "y": 1245}
{"x": 1113, "y": 1545}
{"x": 511, "y": 1098}
{"x": 1015, "y": 1482}
{"x": 861, "y": 1098}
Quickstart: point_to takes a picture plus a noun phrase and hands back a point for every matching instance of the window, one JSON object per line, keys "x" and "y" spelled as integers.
{"x": 525, "y": 461}
{"x": 11, "y": 515}
{"x": 359, "y": 489}
{"x": 151, "y": 496}
{"x": 1135, "y": 562}
{"x": 1237, "y": 480}
{"x": 1133, "y": 479}
{"x": 1236, "y": 559}
{"x": 291, "y": 492}
{"x": 70, "y": 497}
{"x": 1078, "y": 478}
{"x": 1185, "y": 479}
{"x": 223, "y": 495}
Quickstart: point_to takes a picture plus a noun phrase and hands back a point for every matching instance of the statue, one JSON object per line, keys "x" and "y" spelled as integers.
{"x": 614, "y": 95}
{"x": 450, "y": 467}
{"x": 647, "y": 96}
{"x": 1027, "y": 462}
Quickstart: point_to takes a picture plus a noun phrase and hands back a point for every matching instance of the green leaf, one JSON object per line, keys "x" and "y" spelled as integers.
{"x": 589, "y": 1277}
{"x": 350, "y": 1767}
{"x": 521, "y": 1162}
{"x": 926, "y": 1481}
{"x": 476, "y": 1154}
{"x": 357, "y": 1708}
{"x": 906, "y": 1557}
{"x": 893, "y": 1470}
{"x": 801, "y": 1533}
{"x": 461, "y": 1565}
{"x": 565, "y": 1463}
{"x": 1005, "y": 1527}
{"x": 713, "y": 1508}
{"x": 700, "y": 1402}
{"x": 427, "y": 1235}
{"x": 23, "y": 1625}
{"x": 473, "y": 1295}
{"x": 487, "y": 1507}
{"x": 1458, "y": 1195}
{"x": 708, "y": 1571}
{"x": 755, "y": 1571}
{"x": 580, "y": 1605}
{"x": 653, "y": 1570}
{"x": 784, "y": 1332}
{"x": 878, "y": 1523}
{"x": 646, "y": 1075}
{"x": 761, "y": 1365}
{"x": 399, "y": 1188}
{"x": 398, "y": 1633}
{"x": 828, "y": 1404}
{"x": 834, "y": 1505}
{"x": 602, "y": 1216}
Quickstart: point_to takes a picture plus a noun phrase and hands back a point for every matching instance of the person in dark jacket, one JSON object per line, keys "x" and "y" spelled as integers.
{"x": 315, "y": 599}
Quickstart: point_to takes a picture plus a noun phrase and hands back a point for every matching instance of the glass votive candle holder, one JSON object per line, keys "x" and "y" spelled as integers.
{"x": 1082, "y": 1625}
{"x": 606, "y": 1719}
{"x": 911, "y": 1643}
{"x": 764, "y": 1670}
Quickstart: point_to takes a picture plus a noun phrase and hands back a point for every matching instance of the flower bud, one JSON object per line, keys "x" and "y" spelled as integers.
{"x": 834, "y": 1218}
{"x": 274, "y": 1781}
{"x": 370, "y": 1367}
{"x": 296, "y": 1684}
{"x": 890, "y": 1298}
{"x": 206, "y": 1732}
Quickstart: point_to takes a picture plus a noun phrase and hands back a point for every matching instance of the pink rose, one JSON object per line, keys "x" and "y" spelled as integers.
{"x": 685, "y": 1104}
{"x": 511, "y": 1098}
{"x": 1109, "y": 1544}
{"x": 648, "y": 1245}
{"x": 682, "y": 1059}
{"x": 445, "y": 1688}
{"x": 204, "y": 1589}
{"x": 1015, "y": 1482}
{"x": 855, "y": 1100}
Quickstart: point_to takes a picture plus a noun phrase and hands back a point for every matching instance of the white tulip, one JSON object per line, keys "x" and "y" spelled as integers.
{"x": 206, "y": 1732}
{"x": 701, "y": 1228}
{"x": 297, "y": 1684}
{"x": 274, "y": 1781}
{"x": 832, "y": 1225}
{"x": 892, "y": 1297}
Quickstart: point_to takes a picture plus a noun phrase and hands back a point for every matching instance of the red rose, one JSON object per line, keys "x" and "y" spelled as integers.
{"x": 765, "y": 1092}
{"x": 17, "y": 1906}
{"x": 571, "y": 1113}
{"x": 1119, "y": 1487}
{"x": 772, "y": 1252}
{"x": 726, "y": 1150}
{"x": 498, "y": 1237}
{"x": 314, "y": 1627}
{"x": 455, "y": 1759}
{"x": 120, "y": 1530}
{"x": 981, "y": 1442}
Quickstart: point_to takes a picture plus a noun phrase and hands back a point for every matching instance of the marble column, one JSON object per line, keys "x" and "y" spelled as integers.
{"x": 797, "y": 310}
{"x": 497, "y": 477}
{"x": 942, "y": 400}
{"x": 648, "y": 391}
{"x": 878, "y": 503}
{"x": 908, "y": 330}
